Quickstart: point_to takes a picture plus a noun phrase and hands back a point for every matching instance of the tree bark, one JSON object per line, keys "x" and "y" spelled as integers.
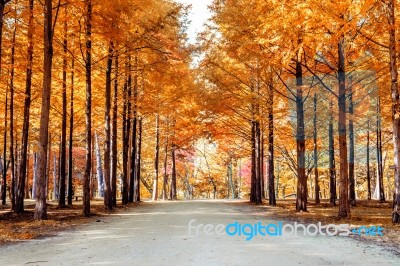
{"x": 165, "y": 179}
{"x": 71, "y": 135}
{"x": 134, "y": 135}
{"x": 88, "y": 111}
{"x": 301, "y": 201}
{"x": 271, "y": 175}
{"x": 41, "y": 207}
{"x": 19, "y": 206}
{"x": 344, "y": 206}
{"x": 126, "y": 133}
{"x": 114, "y": 141}
{"x": 368, "y": 162}
{"x": 316, "y": 179}
{"x": 352, "y": 187}
{"x": 379, "y": 151}
{"x": 63, "y": 155}
{"x": 138, "y": 161}
{"x": 99, "y": 170}
{"x": 4, "y": 173}
{"x": 108, "y": 204}
{"x": 173, "y": 176}
{"x": 12, "y": 157}
{"x": 332, "y": 167}
{"x": 156, "y": 159}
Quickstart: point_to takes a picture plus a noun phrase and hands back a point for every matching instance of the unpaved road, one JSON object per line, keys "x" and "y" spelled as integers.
{"x": 157, "y": 234}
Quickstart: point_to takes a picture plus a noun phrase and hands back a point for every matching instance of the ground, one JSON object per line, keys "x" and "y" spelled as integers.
{"x": 156, "y": 233}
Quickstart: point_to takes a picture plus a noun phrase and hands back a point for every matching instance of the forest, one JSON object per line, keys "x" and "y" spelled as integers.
{"x": 276, "y": 99}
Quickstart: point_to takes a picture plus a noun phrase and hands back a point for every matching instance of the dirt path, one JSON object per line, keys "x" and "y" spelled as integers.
{"x": 157, "y": 234}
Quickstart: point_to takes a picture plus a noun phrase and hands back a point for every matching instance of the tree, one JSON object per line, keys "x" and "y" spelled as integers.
{"x": 40, "y": 207}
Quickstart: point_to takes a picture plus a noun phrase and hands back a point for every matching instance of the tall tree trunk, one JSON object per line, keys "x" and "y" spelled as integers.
{"x": 379, "y": 151}
{"x": 262, "y": 166}
{"x": 316, "y": 180}
{"x": 134, "y": 134}
{"x": 114, "y": 140}
{"x": 352, "y": 187}
{"x": 108, "y": 204}
{"x": 271, "y": 176}
{"x": 4, "y": 173}
{"x": 258, "y": 162}
{"x": 88, "y": 112}
{"x": 63, "y": 155}
{"x": 344, "y": 206}
{"x": 55, "y": 181}
{"x": 332, "y": 166}
{"x": 71, "y": 135}
{"x": 125, "y": 133}
{"x": 165, "y": 179}
{"x": 301, "y": 201}
{"x": 156, "y": 159}
{"x": 368, "y": 162}
{"x": 12, "y": 157}
{"x": 138, "y": 161}
{"x": 253, "y": 161}
{"x": 48, "y": 167}
{"x": 173, "y": 176}
{"x": 34, "y": 176}
{"x": 99, "y": 170}
{"x": 41, "y": 207}
{"x": 230, "y": 179}
{"x": 23, "y": 166}
{"x": 395, "y": 109}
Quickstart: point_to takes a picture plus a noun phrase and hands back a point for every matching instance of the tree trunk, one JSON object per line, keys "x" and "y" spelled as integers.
{"x": 134, "y": 135}
{"x": 156, "y": 160}
{"x": 301, "y": 201}
{"x": 379, "y": 150}
{"x": 34, "y": 176}
{"x": 332, "y": 167}
{"x": 138, "y": 162}
{"x": 173, "y": 176}
{"x": 88, "y": 111}
{"x": 262, "y": 166}
{"x": 352, "y": 187}
{"x": 12, "y": 157}
{"x": 99, "y": 170}
{"x": 230, "y": 179}
{"x": 71, "y": 134}
{"x": 271, "y": 176}
{"x": 63, "y": 156}
{"x": 4, "y": 173}
{"x": 165, "y": 179}
{"x": 55, "y": 181}
{"x": 114, "y": 141}
{"x": 41, "y": 207}
{"x": 316, "y": 180}
{"x": 395, "y": 109}
{"x": 108, "y": 203}
{"x": 344, "y": 206}
{"x": 19, "y": 206}
{"x": 368, "y": 163}
{"x": 125, "y": 134}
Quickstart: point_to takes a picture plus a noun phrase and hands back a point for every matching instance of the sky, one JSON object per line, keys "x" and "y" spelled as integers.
{"x": 198, "y": 16}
